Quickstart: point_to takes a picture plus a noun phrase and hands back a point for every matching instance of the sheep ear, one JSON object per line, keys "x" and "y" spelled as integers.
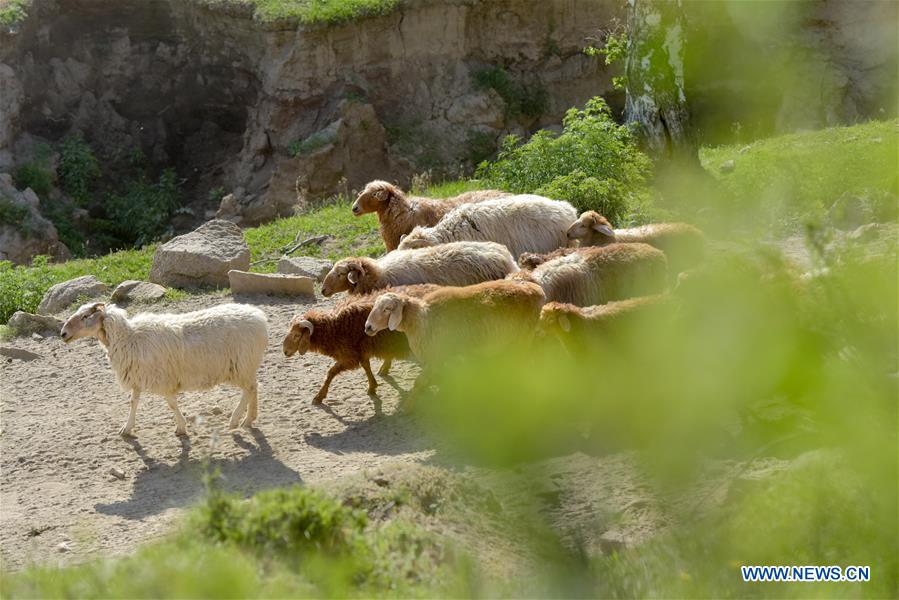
{"x": 307, "y": 324}
{"x": 564, "y": 323}
{"x": 604, "y": 229}
{"x": 381, "y": 195}
{"x": 396, "y": 317}
{"x": 353, "y": 276}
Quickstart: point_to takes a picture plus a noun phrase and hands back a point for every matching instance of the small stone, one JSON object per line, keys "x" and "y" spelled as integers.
{"x": 381, "y": 481}
{"x": 18, "y": 353}
{"x": 64, "y": 547}
{"x": 117, "y": 473}
{"x": 142, "y": 291}
{"x": 307, "y": 266}
{"x": 728, "y": 166}
{"x": 611, "y": 543}
{"x": 23, "y": 323}
{"x": 243, "y": 282}
{"x": 216, "y": 410}
{"x": 37, "y": 336}
{"x": 62, "y": 295}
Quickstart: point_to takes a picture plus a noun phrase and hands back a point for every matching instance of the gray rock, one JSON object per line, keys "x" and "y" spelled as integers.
{"x": 728, "y": 166}
{"x": 201, "y": 258}
{"x": 140, "y": 291}
{"x": 849, "y": 212}
{"x": 307, "y": 266}
{"x": 62, "y": 295}
{"x": 270, "y": 283}
{"x": 18, "y": 353}
{"x": 23, "y": 323}
{"x": 32, "y": 234}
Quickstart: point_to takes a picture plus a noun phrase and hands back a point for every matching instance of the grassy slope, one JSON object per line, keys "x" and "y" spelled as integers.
{"x": 797, "y": 177}
{"x": 311, "y": 12}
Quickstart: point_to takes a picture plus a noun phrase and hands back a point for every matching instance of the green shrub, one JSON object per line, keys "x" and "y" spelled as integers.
{"x": 35, "y": 175}
{"x": 13, "y": 12}
{"x": 285, "y": 521}
{"x": 12, "y": 213}
{"x": 78, "y": 168}
{"x": 140, "y": 214}
{"x": 594, "y": 164}
{"x": 522, "y": 100}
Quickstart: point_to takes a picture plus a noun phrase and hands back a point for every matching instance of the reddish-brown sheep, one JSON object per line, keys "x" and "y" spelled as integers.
{"x": 398, "y": 214}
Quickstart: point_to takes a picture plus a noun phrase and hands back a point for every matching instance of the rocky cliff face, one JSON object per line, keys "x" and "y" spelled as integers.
{"x": 285, "y": 116}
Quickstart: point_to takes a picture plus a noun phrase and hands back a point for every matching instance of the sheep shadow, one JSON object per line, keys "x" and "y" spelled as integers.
{"x": 162, "y": 486}
{"x": 385, "y": 434}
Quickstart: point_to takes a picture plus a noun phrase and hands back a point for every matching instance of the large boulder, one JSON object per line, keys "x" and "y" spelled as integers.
{"x": 62, "y": 295}
{"x": 275, "y": 284}
{"x": 23, "y": 323}
{"x": 201, "y": 258}
{"x": 307, "y": 266}
{"x": 137, "y": 291}
{"x": 24, "y": 232}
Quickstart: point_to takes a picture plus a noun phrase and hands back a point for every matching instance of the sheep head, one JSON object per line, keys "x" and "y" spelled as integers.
{"x": 298, "y": 337}
{"x": 591, "y": 229}
{"x": 417, "y": 238}
{"x": 86, "y": 322}
{"x": 554, "y": 318}
{"x": 375, "y": 197}
{"x": 387, "y": 313}
{"x": 343, "y": 276}
{"x": 530, "y": 260}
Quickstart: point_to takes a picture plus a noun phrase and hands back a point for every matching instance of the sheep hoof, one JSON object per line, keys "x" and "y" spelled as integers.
{"x": 180, "y": 432}
{"x": 125, "y": 432}
{"x": 246, "y": 424}
{"x": 318, "y": 400}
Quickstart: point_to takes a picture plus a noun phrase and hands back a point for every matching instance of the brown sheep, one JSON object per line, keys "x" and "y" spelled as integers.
{"x": 683, "y": 244}
{"x": 580, "y": 328}
{"x": 597, "y": 275}
{"x": 340, "y": 334}
{"x": 398, "y": 214}
{"x": 489, "y": 315}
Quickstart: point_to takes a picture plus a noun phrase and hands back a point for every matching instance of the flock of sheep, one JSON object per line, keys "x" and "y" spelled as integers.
{"x": 450, "y": 271}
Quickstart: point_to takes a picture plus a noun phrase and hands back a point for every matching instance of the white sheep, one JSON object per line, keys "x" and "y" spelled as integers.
{"x": 523, "y": 223}
{"x": 457, "y": 263}
{"x": 600, "y": 274}
{"x": 168, "y": 353}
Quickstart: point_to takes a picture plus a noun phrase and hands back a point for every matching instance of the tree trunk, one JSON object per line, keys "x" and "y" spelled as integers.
{"x": 654, "y": 67}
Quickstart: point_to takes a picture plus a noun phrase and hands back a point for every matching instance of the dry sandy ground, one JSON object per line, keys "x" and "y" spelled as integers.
{"x": 59, "y": 500}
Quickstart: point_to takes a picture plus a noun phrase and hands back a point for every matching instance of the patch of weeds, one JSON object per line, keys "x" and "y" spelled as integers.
{"x": 521, "y": 99}
{"x": 34, "y": 174}
{"x": 140, "y": 213}
{"x": 78, "y": 168}
{"x": 480, "y": 146}
{"x": 314, "y": 142}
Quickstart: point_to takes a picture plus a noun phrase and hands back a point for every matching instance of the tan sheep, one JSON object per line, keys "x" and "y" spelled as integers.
{"x": 458, "y": 263}
{"x": 398, "y": 213}
{"x": 580, "y": 328}
{"x": 490, "y": 315}
{"x": 683, "y": 244}
{"x": 597, "y": 275}
{"x": 340, "y": 334}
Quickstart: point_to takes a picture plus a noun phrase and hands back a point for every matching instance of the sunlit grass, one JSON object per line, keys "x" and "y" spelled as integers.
{"x": 312, "y": 12}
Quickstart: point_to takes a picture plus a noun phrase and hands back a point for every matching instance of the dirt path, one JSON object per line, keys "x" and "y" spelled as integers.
{"x": 59, "y": 442}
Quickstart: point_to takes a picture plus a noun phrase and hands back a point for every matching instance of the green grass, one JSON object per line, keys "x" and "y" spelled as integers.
{"x": 284, "y": 543}
{"x": 792, "y": 179}
{"x": 312, "y": 12}
{"x": 22, "y": 287}
{"x": 13, "y": 11}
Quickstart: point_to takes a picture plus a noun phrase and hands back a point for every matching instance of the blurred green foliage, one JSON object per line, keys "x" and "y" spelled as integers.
{"x": 311, "y": 12}
{"x": 13, "y": 12}
{"x": 594, "y": 164}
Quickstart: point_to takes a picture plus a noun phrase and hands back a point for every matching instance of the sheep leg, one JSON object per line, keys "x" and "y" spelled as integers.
{"x": 372, "y": 382}
{"x": 180, "y": 422}
{"x": 385, "y": 367}
{"x": 129, "y": 424}
{"x": 335, "y": 369}
{"x": 252, "y": 406}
